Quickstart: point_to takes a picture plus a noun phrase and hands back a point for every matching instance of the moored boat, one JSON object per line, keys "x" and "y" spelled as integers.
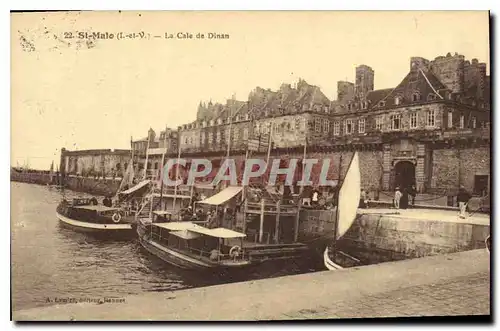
{"x": 190, "y": 246}
{"x": 83, "y": 215}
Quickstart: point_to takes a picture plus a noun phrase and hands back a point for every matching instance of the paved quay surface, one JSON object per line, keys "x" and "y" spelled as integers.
{"x": 453, "y": 284}
{"x": 429, "y": 215}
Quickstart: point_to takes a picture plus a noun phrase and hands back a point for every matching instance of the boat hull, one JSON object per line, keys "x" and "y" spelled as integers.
{"x": 106, "y": 230}
{"x": 183, "y": 261}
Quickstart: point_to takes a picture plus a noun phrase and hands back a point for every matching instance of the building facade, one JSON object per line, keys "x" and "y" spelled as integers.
{"x": 102, "y": 163}
{"x": 432, "y": 130}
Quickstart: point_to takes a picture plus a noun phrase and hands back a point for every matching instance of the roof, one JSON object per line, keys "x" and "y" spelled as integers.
{"x": 187, "y": 235}
{"x": 97, "y": 208}
{"x": 218, "y": 232}
{"x": 375, "y": 96}
{"x": 176, "y": 226}
{"x": 423, "y": 82}
{"x": 222, "y": 196}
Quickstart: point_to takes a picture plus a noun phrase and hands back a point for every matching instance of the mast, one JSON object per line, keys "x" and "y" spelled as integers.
{"x": 339, "y": 185}
{"x": 161, "y": 169}
{"x": 177, "y": 170}
{"x": 146, "y": 164}
{"x": 297, "y": 217}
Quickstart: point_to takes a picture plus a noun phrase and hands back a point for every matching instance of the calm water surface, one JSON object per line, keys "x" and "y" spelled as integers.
{"x": 51, "y": 262}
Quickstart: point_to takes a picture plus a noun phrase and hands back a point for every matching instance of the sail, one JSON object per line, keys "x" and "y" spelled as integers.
{"x": 128, "y": 177}
{"x": 349, "y": 195}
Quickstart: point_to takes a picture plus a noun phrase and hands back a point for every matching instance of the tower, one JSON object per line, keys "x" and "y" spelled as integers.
{"x": 364, "y": 80}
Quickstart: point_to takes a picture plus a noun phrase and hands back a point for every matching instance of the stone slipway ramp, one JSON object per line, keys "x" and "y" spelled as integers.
{"x": 289, "y": 297}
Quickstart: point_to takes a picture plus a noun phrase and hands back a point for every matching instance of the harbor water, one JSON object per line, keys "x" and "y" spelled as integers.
{"x": 51, "y": 264}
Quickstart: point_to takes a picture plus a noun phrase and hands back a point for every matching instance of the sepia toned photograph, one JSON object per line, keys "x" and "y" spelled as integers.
{"x": 250, "y": 165}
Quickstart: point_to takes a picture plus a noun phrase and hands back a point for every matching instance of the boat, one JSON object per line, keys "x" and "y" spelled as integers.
{"x": 190, "y": 246}
{"x": 348, "y": 200}
{"x": 85, "y": 215}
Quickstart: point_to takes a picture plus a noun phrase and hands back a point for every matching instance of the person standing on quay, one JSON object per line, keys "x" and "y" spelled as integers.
{"x": 397, "y": 197}
{"x": 463, "y": 198}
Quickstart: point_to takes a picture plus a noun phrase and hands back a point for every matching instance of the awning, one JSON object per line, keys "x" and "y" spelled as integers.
{"x": 136, "y": 187}
{"x": 176, "y": 226}
{"x": 187, "y": 235}
{"x": 218, "y": 232}
{"x": 222, "y": 196}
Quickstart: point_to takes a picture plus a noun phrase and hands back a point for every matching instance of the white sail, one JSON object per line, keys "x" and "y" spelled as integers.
{"x": 349, "y": 195}
{"x": 348, "y": 202}
{"x": 128, "y": 177}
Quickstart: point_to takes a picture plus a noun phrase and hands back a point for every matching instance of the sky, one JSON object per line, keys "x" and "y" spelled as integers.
{"x": 87, "y": 95}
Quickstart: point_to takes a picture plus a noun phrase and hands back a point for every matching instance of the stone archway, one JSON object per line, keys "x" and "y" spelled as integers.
{"x": 404, "y": 174}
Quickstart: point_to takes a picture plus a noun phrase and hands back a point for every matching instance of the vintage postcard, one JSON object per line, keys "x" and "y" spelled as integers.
{"x": 250, "y": 165}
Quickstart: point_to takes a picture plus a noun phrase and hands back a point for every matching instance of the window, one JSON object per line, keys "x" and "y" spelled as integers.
{"x": 348, "y": 127}
{"x": 431, "y": 118}
{"x": 379, "y": 122}
{"x": 317, "y": 125}
{"x": 236, "y": 135}
{"x": 219, "y": 121}
{"x": 431, "y": 96}
{"x": 415, "y": 97}
{"x": 211, "y": 122}
{"x": 413, "y": 120}
{"x": 326, "y": 125}
{"x": 203, "y": 137}
{"x": 326, "y": 109}
{"x": 349, "y": 106}
{"x": 462, "y": 121}
{"x": 396, "y": 122}
{"x": 237, "y": 118}
{"x": 247, "y": 117}
{"x": 336, "y": 128}
{"x": 364, "y": 104}
{"x": 361, "y": 125}
{"x": 474, "y": 122}
{"x": 450, "y": 119}
{"x": 397, "y": 100}
{"x": 210, "y": 137}
{"x": 226, "y": 134}
{"x": 245, "y": 134}
{"x": 218, "y": 137}
{"x": 381, "y": 103}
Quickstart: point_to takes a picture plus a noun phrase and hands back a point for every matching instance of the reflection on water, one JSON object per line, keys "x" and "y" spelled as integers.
{"x": 50, "y": 262}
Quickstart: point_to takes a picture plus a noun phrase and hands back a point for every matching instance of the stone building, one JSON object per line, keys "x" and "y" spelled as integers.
{"x": 156, "y": 147}
{"x": 102, "y": 163}
{"x": 431, "y": 130}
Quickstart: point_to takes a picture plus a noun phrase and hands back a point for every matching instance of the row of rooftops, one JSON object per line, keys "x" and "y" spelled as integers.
{"x": 420, "y": 85}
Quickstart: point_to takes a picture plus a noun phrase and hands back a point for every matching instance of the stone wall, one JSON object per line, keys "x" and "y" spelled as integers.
{"x": 93, "y": 186}
{"x": 413, "y": 238}
{"x": 454, "y": 167}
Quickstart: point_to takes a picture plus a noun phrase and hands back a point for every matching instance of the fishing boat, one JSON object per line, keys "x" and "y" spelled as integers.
{"x": 87, "y": 215}
{"x": 83, "y": 215}
{"x": 191, "y": 246}
{"x": 348, "y": 200}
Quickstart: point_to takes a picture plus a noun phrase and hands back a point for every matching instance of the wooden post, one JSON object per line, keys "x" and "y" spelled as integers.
{"x": 297, "y": 219}
{"x": 261, "y": 228}
{"x": 277, "y": 228}
{"x": 245, "y": 216}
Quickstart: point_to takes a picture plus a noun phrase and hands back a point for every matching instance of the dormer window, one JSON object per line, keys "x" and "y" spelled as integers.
{"x": 431, "y": 96}
{"x": 397, "y": 100}
{"x": 247, "y": 117}
{"x": 381, "y": 103}
{"x": 326, "y": 109}
{"x": 219, "y": 121}
{"x": 349, "y": 106}
{"x": 415, "y": 97}
{"x": 237, "y": 118}
{"x": 364, "y": 104}
{"x": 211, "y": 122}
{"x": 204, "y": 123}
